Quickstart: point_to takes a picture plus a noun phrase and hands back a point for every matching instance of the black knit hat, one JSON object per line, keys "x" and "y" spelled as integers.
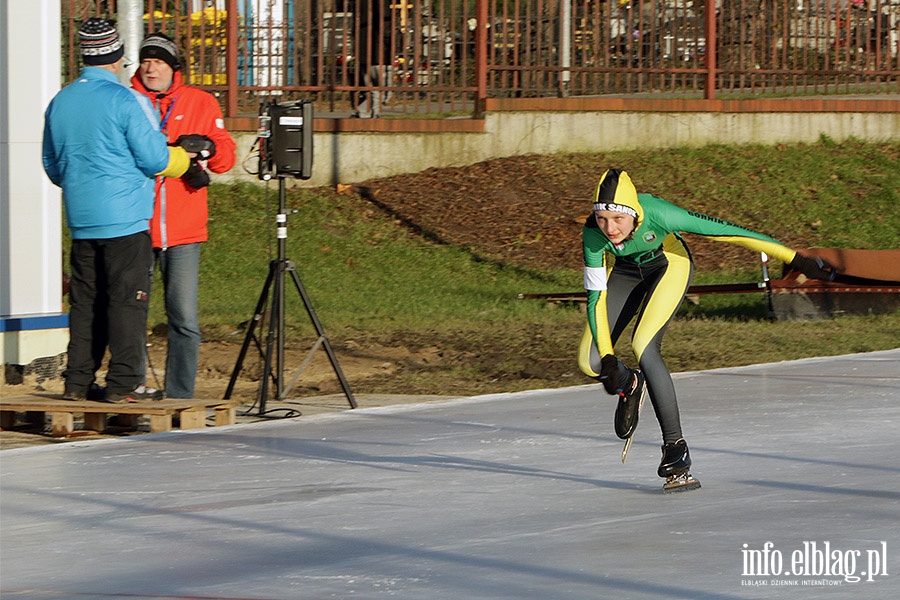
{"x": 100, "y": 42}
{"x": 160, "y": 46}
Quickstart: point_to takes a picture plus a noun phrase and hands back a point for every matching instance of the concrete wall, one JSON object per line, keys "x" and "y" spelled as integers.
{"x": 358, "y": 156}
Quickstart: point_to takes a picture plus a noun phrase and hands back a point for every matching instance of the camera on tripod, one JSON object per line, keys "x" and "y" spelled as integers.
{"x": 285, "y": 140}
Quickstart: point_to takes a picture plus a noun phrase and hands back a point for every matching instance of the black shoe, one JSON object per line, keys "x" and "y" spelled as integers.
{"x": 628, "y": 409}
{"x": 93, "y": 392}
{"x": 139, "y": 394}
{"x": 71, "y": 393}
{"x": 676, "y": 459}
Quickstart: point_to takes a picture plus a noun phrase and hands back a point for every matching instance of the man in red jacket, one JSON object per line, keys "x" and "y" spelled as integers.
{"x": 192, "y": 118}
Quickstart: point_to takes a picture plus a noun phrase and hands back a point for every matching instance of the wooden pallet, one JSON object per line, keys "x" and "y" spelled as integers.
{"x": 191, "y": 413}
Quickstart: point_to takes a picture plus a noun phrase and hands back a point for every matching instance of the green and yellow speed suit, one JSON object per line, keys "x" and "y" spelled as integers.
{"x": 648, "y": 275}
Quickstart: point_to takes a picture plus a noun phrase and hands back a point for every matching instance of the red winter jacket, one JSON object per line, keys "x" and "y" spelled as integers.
{"x": 180, "y": 212}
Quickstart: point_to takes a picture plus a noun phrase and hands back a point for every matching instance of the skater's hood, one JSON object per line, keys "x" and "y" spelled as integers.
{"x": 615, "y": 192}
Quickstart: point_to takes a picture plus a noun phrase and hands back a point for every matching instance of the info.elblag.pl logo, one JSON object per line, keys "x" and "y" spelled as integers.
{"x": 813, "y": 563}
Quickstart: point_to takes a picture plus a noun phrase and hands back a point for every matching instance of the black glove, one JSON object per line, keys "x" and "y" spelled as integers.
{"x": 813, "y": 267}
{"x": 615, "y": 376}
{"x": 201, "y": 145}
{"x": 196, "y": 176}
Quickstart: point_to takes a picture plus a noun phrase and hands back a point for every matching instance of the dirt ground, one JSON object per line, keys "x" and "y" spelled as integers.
{"x": 522, "y": 210}
{"x": 518, "y": 210}
{"x": 313, "y": 386}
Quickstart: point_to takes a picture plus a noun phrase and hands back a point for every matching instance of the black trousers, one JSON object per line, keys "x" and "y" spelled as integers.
{"x": 109, "y": 297}
{"x": 649, "y": 294}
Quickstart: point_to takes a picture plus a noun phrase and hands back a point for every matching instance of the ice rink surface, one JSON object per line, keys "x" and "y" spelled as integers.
{"x": 513, "y": 496}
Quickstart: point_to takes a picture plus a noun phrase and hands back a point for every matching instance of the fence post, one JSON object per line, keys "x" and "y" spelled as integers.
{"x": 481, "y": 55}
{"x": 231, "y": 50}
{"x": 709, "y": 93}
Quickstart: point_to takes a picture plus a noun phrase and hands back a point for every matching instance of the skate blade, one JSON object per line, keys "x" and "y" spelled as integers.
{"x": 680, "y": 483}
{"x": 626, "y": 448}
{"x": 631, "y": 437}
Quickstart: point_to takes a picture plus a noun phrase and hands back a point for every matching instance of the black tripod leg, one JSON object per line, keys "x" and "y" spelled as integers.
{"x": 251, "y": 326}
{"x": 319, "y": 329}
{"x": 275, "y": 324}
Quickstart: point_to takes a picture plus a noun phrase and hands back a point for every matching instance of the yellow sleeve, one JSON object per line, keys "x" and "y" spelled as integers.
{"x": 595, "y": 257}
{"x": 179, "y": 162}
{"x": 772, "y": 248}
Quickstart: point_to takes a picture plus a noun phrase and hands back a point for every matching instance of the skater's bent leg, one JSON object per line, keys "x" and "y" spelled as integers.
{"x": 662, "y": 393}
{"x": 664, "y": 299}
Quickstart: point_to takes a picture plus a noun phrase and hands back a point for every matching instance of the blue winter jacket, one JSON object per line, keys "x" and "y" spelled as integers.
{"x": 102, "y": 145}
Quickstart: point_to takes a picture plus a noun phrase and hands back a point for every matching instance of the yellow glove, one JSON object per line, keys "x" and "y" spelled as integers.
{"x": 179, "y": 161}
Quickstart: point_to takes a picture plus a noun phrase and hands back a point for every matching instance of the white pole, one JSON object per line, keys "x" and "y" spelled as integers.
{"x": 32, "y": 324}
{"x": 131, "y": 28}
{"x": 565, "y": 47}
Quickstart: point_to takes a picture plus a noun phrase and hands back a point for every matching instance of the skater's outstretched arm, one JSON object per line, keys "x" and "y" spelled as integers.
{"x": 679, "y": 219}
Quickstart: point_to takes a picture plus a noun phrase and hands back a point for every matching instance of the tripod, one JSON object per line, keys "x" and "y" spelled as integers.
{"x": 275, "y": 337}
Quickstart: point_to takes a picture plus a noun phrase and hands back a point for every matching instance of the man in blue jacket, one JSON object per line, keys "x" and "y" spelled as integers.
{"x": 102, "y": 145}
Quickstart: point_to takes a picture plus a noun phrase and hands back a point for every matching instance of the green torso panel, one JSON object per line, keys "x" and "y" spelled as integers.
{"x": 661, "y": 219}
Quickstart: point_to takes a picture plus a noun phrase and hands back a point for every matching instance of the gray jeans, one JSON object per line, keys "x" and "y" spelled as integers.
{"x": 180, "y": 269}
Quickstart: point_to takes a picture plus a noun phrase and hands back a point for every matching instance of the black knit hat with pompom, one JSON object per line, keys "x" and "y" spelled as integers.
{"x": 100, "y": 42}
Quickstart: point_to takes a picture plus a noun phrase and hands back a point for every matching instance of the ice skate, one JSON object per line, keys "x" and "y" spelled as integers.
{"x": 675, "y": 468}
{"x": 629, "y": 407}
{"x": 625, "y": 422}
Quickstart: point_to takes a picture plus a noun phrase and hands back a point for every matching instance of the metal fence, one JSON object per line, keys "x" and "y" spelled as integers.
{"x": 442, "y": 63}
